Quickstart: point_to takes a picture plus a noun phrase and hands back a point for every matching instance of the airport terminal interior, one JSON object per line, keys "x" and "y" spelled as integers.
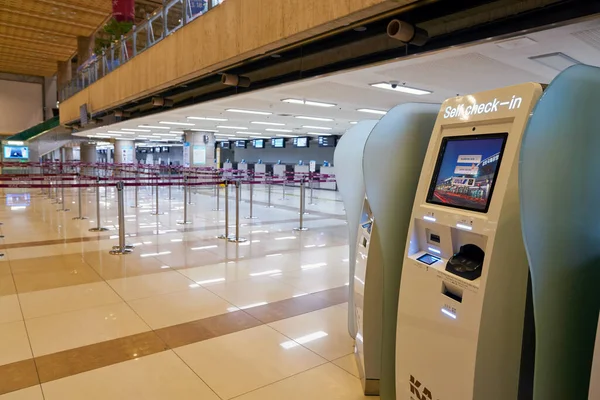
{"x": 284, "y": 200}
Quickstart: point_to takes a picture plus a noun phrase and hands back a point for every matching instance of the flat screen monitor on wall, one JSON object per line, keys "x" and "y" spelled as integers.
{"x": 240, "y": 144}
{"x": 16, "y": 152}
{"x": 466, "y": 171}
{"x": 165, "y": 149}
{"x": 327, "y": 141}
{"x": 301, "y": 142}
{"x": 278, "y": 143}
{"x": 225, "y": 145}
{"x": 258, "y": 143}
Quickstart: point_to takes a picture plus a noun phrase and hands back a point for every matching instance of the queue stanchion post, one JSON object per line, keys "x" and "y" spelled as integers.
{"x": 226, "y": 234}
{"x": 62, "y": 197}
{"x": 269, "y": 179}
{"x": 301, "y": 227}
{"x": 237, "y": 238}
{"x": 136, "y": 190}
{"x": 218, "y": 208}
{"x": 283, "y": 187}
{"x": 98, "y": 228}
{"x": 312, "y": 188}
{"x": 79, "y": 201}
{"x": 170, "y": 180}
{"x": 185, "y": 204}
{"x": 251, "y": 216}
{"x": 122, "y": 248}
{"x": 156, "y": 209}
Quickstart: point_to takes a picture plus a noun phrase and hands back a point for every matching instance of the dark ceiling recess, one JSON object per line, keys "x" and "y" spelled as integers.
{"x": 356, "y": 48}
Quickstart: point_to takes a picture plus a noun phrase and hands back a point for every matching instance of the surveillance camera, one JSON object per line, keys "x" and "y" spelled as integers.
{"x": 394, "y": 84}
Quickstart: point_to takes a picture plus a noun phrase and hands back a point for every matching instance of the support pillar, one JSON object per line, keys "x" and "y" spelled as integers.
{"x": 64, "y": 73}
{"x": 124, "y": 151}
{"x": 84, "y": 48}
{"x": 67, "y": 154}
{"x": 88, "y": 155}
{"x": 199, "y": 149}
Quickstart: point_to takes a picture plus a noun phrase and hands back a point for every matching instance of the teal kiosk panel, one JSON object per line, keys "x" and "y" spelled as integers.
{"x": 559, "y": 185}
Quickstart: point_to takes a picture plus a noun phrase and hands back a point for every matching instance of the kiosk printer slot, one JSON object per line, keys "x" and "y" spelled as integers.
{"x": 464, "y": 277}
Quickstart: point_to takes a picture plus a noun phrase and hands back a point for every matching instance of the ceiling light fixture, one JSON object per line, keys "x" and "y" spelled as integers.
{"x": 317, "y": 127}
{"x": 232, "y": 127}
{"x": 278, "y": 130}
{"x": 314, "y": 118}
{"x": 237, "y": 110}
{"x": 135, "y": 130}
{"x": 153, "y": 127}
{"x": 249, "y": 133}
{"x": 371, "y": 111}
{"x": 400, "y": 88}
{"x": 176, "y": 123}
{"x": 267, "y": 123}
{"x": 224, "y": 134}
{"x": 287, "y": 136}
{"x": 178, "y": 132}
{"x": 318, "y": 133}
{"x": 208, "y": 119}
{"x": 308, "y": 103}
{"x": 353, "y": 122}
{"x": 204, "y": 130}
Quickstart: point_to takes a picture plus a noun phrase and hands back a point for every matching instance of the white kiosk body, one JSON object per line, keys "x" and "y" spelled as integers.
{"x": 464, "y": 277}
{"x": 227, "y": 169}
{"x": 260, "y": 170}
{"x": 328, "y": 185}
{"x": 279, "y": 170}
{"x": 301, "y": 171}
{"x": 242, "y": 166}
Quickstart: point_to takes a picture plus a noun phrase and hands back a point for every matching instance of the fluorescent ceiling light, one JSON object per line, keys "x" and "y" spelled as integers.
{"x": 279, "y": 130}
{"x": 223, "y": 134}
{"x": 267, "y": 123}
{"x": 288, "y": 136}
{"x": 167, "y": 134}
{"x": 313, "y": 118}
{"x": 178, "y": 132}
{"x": 260, "y": 137}
{"x": 136, "y": 130}
{"x": 353, "y": 122}
{"x": 107, "y": 132}
{"x": 556, "y": 61}
{"x": 308, "y": 103}
{"x": 204, "y": 130}
{"x": 153, "y": 127}
{"x": 15, "y": 142}
{"x": 232, "y": 127}
{"x": 371, "y": 111}
{"x": 208, "y": 119}
{"x": 317, "y": 127}
{"x": 237, "y": 110}
{"x": 319, "y": 133}
{"x": 401, "y": 88}
{"x": 249, "y": 133}
{"x": 176, "y": 123}
{"x": 129, "y": 133}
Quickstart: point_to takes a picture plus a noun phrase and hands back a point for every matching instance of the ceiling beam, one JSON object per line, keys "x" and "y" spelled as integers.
{"x": 69, "y": 48}
{"x": 29, "y": 28}
{"x": 11, "y": 69}
{"x": 48, "y": 51}
{"x": 38, "y": 16}
{"x": 67, "y": 4}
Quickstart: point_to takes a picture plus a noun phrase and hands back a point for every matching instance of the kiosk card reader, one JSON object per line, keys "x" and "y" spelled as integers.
{"x": 464, "y": 276}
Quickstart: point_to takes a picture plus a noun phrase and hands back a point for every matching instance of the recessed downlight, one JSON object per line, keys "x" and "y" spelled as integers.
{"x": 401, "y": 88}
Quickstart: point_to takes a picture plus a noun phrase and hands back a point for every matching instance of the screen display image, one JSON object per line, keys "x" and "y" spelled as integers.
{"x": 18, "y": 199}
{"x": 240, "y": 144}
{"x": 327, "y": 141}
{"x": 428, "y": 259}
{"x": 16, "y": 152}
{"x": 225, "y": 145}
{"x": 466, "y": 170}
{"x": 278, "y": 143}
{"x": 258, "y": 143}
{"x": 301, "y": 142}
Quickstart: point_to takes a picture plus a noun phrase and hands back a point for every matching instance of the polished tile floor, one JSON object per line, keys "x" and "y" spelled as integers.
{"x": 186, "y": 315}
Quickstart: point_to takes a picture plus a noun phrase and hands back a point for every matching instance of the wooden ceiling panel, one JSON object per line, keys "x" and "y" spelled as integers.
{"x": 34, "y": 34}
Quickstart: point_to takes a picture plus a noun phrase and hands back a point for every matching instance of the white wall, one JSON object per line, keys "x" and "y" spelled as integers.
{"x": 20, "y": 106}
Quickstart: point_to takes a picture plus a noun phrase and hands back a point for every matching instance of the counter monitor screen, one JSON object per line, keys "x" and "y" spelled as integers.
{"x": 258, "y": 143}
{"x": 165, "y": 149}
{"x": 327, "y": 141}
{"x": 301, "y": 142}
{"x": 225, "y": 145}
{"x": 240, "y": 144}
{"x": 157, "y": 149}
{"x": 278, "y": 143}
{"x": 465, "y": 172}
{"x": 16, "y": 152}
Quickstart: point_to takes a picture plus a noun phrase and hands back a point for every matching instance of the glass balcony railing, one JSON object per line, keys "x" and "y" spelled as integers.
{"x": 173, "y": 15}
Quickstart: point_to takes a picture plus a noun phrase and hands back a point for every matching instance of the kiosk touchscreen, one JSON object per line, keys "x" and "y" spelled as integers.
{"x": 465, "y": 273}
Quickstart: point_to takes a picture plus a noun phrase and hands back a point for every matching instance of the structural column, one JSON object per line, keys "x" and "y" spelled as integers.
{"x": 87, "y": 154}
{"x": 67, "y": 154}
{"x": 84, "y": 48}
{"x": 199, "y": 149}
{"x": 64, "y": 73}
{"x": 124, "y": 152}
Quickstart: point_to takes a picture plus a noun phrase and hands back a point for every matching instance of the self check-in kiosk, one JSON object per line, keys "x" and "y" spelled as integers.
{"x": 559, "y": 172}
{"x": 464, "y": 275}
{"x": 391, "y": 162}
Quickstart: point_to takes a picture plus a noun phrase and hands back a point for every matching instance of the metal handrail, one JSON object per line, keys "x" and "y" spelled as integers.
{"x": 140, "y": 38}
